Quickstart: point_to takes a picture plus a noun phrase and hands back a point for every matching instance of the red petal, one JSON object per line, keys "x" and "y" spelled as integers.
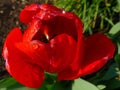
{"x": 48, "y": 7}
{"x": 24, "y": 72}
{"x": 28, "y": 12}
{"x": 14, "y": 36}
{"x": 58, "y": 21}
{"x": 61, "y": 23}
{"x": 63, "y": 52}
{"x": 17, "y": 63}
{"x": 99, "y": 49}
{"x": 69, "y": 24}
{"x": 34, "y": 28}
{"x": 68, "y": 74}
{"x": 51, "y": 56}
{"x": 47, "y": 12}
{"x": 37, "y": 51}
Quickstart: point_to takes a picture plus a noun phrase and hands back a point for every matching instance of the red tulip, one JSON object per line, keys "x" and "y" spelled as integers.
{"x": 54, "y": 43}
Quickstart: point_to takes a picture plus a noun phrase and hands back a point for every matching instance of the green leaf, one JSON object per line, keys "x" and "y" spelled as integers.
{"x": 50, "y": 78}
{"x": 118, "y": 47}
{"x": 101, "y": 87}
{"x": 117, "y": 7}
{"x": 115, "y": 28}
{"x": 3, "y": 88}
{"x": 62, "y": 85}
{"x": 43, "y": 87}
{"x": 117, "y": 59}
{"x": 113, "y": 84}
{"x": 18, "y": 86}
{"x": 7, "y": 82}
{"x": 81, "y": 84}
{"x": 110, "y": 73}
{"x": 21, "y": 88}
{"x": 11, "y": 84}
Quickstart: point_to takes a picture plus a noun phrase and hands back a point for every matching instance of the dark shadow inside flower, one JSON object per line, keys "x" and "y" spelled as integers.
{"x": 49, "y": 29}
{"x": 42, "y": 38}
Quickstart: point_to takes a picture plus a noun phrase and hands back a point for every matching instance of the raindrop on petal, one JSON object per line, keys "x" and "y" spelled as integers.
{"x": 106, "y": 58}
{"x": 49, "y": 16}
{"x": 35, "y": 46}
{"x": 32, "y": 31}
{"x": 63, "y": 11}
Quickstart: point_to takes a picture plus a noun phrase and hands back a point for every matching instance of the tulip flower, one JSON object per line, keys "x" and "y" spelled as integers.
{"x": 53, "y": 42}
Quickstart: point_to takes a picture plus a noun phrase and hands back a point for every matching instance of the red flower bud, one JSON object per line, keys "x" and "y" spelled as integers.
{"x": 54, "y": 43}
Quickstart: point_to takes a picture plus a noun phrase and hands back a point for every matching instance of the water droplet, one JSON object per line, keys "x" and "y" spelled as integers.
{"x": 35, "y": 46}
{"x": 32, "y": 31}
{"x": 106, "y": 58}
{"x": 49, "y": 16}
{"x": 63, "y": 11}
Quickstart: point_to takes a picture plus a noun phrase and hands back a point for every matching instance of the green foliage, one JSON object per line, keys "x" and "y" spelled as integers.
{"x": 110, "y": 73}
{"x": 81, "y": 84}
{"x": 61, "y": 85}
{"x": 115, "y": 29}
{"x": 97, "y": 15}
{"x": 7, "y": 82}
{"x": 11, "y": 84}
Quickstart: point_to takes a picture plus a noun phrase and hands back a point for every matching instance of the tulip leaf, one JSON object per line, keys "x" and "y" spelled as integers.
{"x": 101, "y": 87}
{"x": 113, "y": 84}
{"x": 110, "y": 73}
{"x": 117, "y": 59}
{"x": 115, "y": 28}
{"x": 118, "y": 47}
{"x": 62, "y": 85}
{"x": 7, "y": 82}
{"x": 3, "y": 88}
{"x": 18, "y": 86}
{"x": 81, "y": 84}
{"x": 21, "y": 88}
{"x": 117, "y": 7}
{"x": 11, "y": 84}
